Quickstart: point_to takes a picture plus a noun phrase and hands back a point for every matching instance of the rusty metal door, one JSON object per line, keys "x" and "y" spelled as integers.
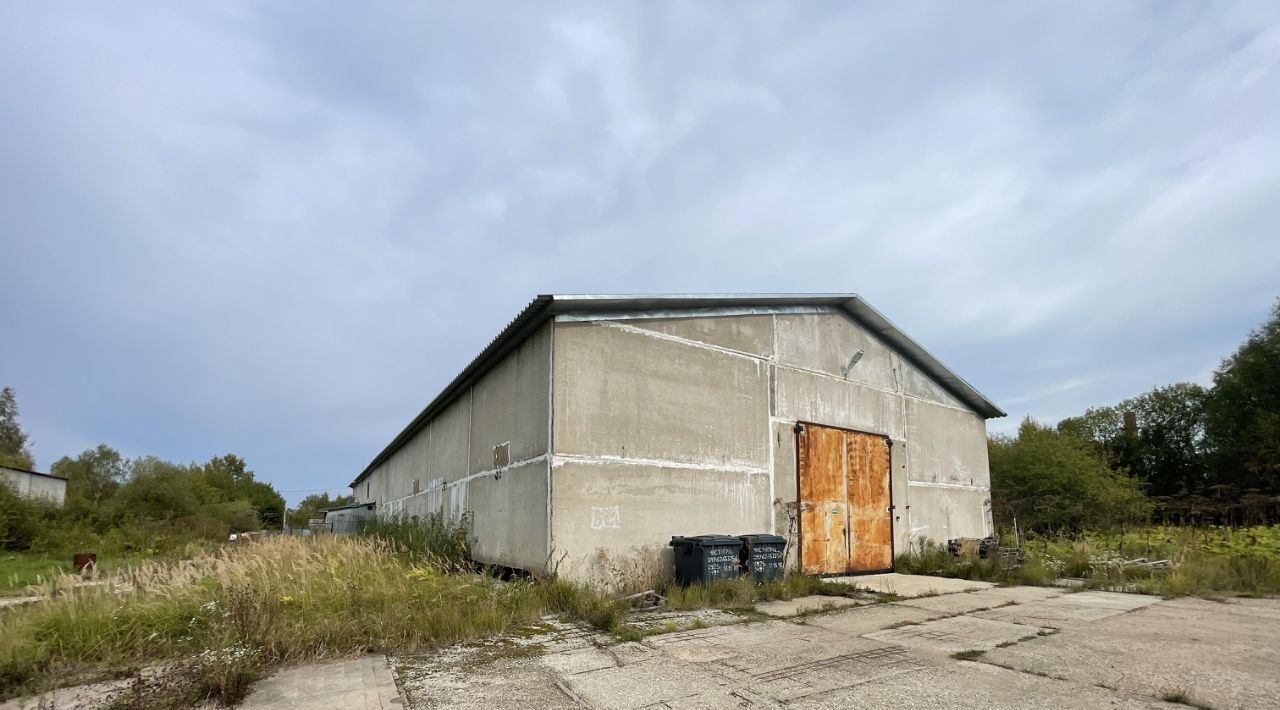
{"x": 845, "y": 509}
{"x": 870, "y": 512}
{"x": 824, "y": 507}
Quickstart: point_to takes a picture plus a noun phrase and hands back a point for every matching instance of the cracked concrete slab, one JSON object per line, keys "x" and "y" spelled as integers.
{"x": 865, "y": 619}
{"x": 910, "y": 585}
{"x": 939, "y": 684}
{"x": 1046, "y": 613}
{"x": 364, "y": 683}
{"x": 1020, "y": 595}
{"x": 1106, "y": 600}
{"x": 803, "y": 605}
{"x": 957, "y": 633}
{"x": 1222, "y": 654}
{"x": 1081, "y": 607}
{"x": 963, "y": 603}
{"x": 660, "y": 680}
{"x": 1116, "y": 651}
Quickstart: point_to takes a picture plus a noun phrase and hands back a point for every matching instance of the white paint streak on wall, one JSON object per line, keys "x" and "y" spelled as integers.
{"x": 606, "y": 459}
{"x": 939, "y": 484}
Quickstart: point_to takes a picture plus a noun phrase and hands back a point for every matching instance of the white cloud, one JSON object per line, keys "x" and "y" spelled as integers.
{"x": 280, "y": 230}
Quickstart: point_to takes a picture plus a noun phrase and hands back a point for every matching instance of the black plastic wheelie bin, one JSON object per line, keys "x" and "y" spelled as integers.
{"x": 764, "y": 556}
{"x": 706, "y": 558}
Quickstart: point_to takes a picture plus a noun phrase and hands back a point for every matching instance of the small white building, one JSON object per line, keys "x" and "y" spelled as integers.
{"x": 34, "y": 484}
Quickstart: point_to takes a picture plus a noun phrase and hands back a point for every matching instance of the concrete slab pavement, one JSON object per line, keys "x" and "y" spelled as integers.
{"x": 957, "y": 633}
{"x": 1038, "y": 649}
{"x": 802, "y": 605}
{"x": 365, "y": 683}
{"x": 910, "y": 585}
{"x": 1221, "y": 654}
{"x": 1109, "y": 650}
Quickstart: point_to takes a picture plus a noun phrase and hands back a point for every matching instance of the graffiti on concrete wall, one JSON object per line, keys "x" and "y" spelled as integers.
{"x": 605, "y": 517}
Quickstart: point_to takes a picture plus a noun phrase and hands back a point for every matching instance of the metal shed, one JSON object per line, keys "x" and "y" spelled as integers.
{"x": 593, "y": 428}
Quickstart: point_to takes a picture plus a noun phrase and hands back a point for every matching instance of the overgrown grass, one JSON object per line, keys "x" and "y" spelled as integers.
{"x": 20, "y": 570}
{"x": 253, "y": 606}
{"x": 437, "y": 538}
{"x": 743, "y": 592}
{"x": 1204, "y": 563}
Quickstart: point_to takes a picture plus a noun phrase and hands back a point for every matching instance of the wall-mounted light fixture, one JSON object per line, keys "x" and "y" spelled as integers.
{"x": 852, "y": 361}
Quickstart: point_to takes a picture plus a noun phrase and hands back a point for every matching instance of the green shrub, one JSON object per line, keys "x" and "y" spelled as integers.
{"x": 21, "y": 518}
{"x": 1203, "y": 561}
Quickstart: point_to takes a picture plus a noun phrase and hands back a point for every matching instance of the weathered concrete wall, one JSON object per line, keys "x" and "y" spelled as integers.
{"x": 34, "y": 485}
{"x": 655, "y": 438}
{"x": 941, "y": 484}
{"x": 684, "y": 426}
{"x": 454, "y": 466}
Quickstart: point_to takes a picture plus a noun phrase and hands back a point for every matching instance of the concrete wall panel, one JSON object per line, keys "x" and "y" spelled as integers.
{"x": 611, "y": 513}
{"x": 806, "y": 396}
{"x": 943, "y": 513}
{"x": 509, "y": 515}
{"x": 918, "y": 384}
{"x": 624, "y": 395}
{"x": 946, "y": 445}
{"x": 509, "y": 404}
{"x": 786, "y": 510}
{"x": 449, "y": 434}
{"x": 826, "y": 342}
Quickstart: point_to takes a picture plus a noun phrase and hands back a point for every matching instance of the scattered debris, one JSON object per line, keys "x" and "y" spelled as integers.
{"x": 1143, "y": 563}
{"x": 648, "y": 599}
{"x": 1009, "y": 558}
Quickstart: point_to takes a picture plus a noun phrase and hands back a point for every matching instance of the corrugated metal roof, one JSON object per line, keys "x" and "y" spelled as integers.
{"x": 545, "y": 307}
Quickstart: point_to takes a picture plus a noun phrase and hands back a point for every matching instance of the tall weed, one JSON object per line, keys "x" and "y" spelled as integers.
{"x": 438, "y": 537}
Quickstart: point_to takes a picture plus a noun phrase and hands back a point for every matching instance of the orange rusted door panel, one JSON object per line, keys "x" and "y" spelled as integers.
{"x": 824, "y": 507}
{"x": 867, "y": 481}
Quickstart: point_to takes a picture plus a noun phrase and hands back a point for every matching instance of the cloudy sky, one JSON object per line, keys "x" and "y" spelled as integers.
{"x": 278, "y": 229}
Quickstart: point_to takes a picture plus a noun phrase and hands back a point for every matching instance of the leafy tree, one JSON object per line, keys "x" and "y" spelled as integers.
{"x": 13, "y": 441}
{"x": 94, "y": 475}
{"x": 1055, "y": 482}
{"x": 1242, "y": 425}
{"x": 156, "y": 490}
{"x": 311, "y": 506}
{"x": 228, "y": 478}
{"x": 1157, "y": 437}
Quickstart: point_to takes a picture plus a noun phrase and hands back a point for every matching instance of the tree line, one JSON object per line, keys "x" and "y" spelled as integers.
{"x": 137, "y": 504}
{"x": 1181, "y": 453}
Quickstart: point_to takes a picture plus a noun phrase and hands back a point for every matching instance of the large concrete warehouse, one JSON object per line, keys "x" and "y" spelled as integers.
{"x": 594, "y": 428}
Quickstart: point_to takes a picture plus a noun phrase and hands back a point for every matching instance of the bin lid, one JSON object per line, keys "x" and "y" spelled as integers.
{"x": 763, "y": 539}
{"x": 705, "y": 541}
